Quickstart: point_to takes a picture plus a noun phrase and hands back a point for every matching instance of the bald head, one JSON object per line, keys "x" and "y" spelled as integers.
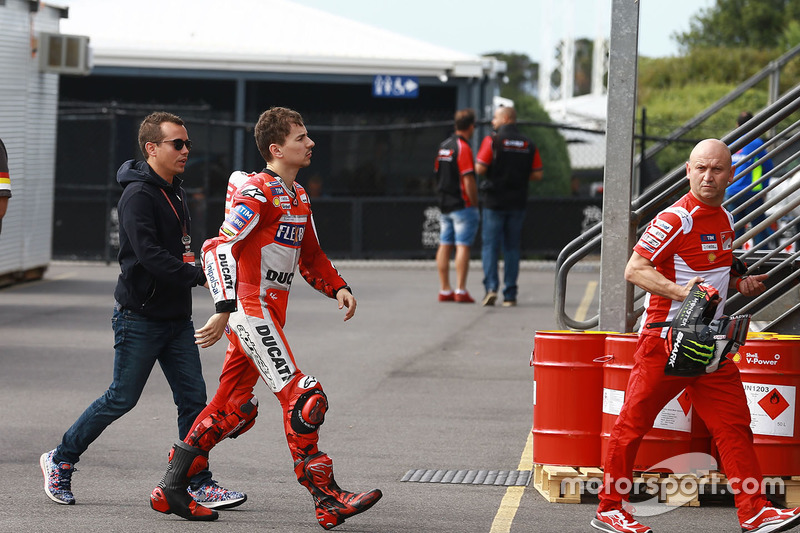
{"x": 710, "y": 171}
{"x": 504, "y": 115}
{"x": 711, "y": 148}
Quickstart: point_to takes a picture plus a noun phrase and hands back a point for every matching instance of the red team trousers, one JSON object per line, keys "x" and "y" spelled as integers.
{"x": 718, "y": 398}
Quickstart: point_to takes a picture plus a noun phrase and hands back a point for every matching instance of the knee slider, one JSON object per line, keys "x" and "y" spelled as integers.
{"x": 230, "y": 421}
{"x": 248, "y": 413}
{"x": 308, "y": 412}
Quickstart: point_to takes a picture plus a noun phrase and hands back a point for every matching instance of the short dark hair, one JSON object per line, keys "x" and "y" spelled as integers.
{"x": 273, "y": 127}
{"x": 744, "y": 116}
{"x": 464, "y": 118}
{"x": 150, "y": 128}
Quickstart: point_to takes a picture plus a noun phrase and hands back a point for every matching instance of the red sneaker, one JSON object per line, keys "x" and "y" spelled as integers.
{"x": 447, "y": 296}
{"x": 772, "y": 519}
{"x": 618, "y": 521}
{"x": 464, "y": 298}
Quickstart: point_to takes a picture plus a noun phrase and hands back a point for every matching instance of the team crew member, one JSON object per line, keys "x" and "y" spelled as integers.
{"x": 687, "y": 243}
{"x": 267, "y": 233}
{"x": 5, "y": 182}
{"x": 152, "y": 318}
{"x": 507, "y": 160}
{"x": 458, "y": 202}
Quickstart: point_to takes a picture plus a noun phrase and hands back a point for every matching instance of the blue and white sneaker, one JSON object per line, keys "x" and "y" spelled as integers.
{"x": 57, "y": 479}
{"x": 212, "y": 496}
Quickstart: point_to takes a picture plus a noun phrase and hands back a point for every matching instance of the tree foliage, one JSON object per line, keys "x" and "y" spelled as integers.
{"x": 743, "y": 24}
{"x": 675, "y": 89}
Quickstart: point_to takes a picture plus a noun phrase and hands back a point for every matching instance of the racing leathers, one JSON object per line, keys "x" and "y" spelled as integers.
{"x": 267, "y": 233}
{"x": 688, "y": 239}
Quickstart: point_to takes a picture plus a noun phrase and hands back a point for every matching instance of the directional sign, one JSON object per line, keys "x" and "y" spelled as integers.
{"x": 395, "y": 87}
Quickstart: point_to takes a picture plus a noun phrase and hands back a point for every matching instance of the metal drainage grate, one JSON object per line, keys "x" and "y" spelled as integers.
{"x": 507, "y": 478}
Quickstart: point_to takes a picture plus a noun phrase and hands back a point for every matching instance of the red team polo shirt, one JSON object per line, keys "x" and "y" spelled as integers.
{"x": 686, "y": 240}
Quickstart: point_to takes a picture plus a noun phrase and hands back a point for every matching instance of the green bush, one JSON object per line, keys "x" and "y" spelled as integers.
{"x": 676, "y": 89}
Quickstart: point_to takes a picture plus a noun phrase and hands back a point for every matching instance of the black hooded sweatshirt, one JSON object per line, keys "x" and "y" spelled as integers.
{"x": 154, "y": 281}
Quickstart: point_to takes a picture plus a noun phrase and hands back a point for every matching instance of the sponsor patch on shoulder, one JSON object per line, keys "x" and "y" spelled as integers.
{"x": 647, "y": 247}
{"x": 649, "y": 239}
{"x": 708, "y": 237}
{"x": 251, "y": 191}
{"x": 276, "y": 190}
{"x": 237, "y": 219}
{"x": 657, "y": 233}
{"x": 666, "y": 226}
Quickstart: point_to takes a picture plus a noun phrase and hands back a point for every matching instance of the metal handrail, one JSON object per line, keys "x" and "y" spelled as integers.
{"x": 653, "y": 199}
{"x": 752, "y": 81}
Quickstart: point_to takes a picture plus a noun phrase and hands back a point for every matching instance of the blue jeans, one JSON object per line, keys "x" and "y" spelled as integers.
{"x": 501, "y": 229}
{"x": 138, "y": 343}
{"x": 459, "y": 227}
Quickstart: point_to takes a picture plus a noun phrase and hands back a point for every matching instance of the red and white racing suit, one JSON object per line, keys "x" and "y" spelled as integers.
{"x": 686, "y": 240}
{"x": 268, "y": 231}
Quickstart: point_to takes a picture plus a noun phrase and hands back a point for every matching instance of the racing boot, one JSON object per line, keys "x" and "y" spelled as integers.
{"x": 315, "y": 472}
{"x": 170, "y": 495}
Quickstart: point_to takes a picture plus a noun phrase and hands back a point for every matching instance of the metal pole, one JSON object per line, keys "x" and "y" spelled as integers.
{"x": 111, "y": 183}
{"x": 616, "y": 295}
{"x": 642, "y": 160}
{"x": 240, "y": 105}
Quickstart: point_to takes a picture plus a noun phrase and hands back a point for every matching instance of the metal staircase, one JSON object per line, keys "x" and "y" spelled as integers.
{"x": 778, "y": 309}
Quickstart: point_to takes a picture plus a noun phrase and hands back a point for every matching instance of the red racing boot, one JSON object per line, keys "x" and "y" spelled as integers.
{"x": 170, "y": 495}
{"x": 333, "y": 504}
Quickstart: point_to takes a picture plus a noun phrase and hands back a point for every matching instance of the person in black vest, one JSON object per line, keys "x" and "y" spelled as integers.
{"x": 458, "y": 202}
{"x": 507, "y": 161}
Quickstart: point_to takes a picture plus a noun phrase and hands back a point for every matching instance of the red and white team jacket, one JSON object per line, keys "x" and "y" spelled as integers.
{"x": 685, "y": 240}
{"x": 268, "y": 231}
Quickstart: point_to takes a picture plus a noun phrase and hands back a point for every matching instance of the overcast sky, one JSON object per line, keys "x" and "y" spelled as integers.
{"x": 478, "y": 26}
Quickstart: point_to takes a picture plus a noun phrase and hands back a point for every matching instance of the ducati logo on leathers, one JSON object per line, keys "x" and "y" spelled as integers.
{"x": 275, "y": 353}
{"x": 284, "y": 278}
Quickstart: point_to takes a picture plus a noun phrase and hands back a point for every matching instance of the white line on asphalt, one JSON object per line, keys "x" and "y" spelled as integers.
{"x": 588, "y": 296}
{"x": 510, "y": 504}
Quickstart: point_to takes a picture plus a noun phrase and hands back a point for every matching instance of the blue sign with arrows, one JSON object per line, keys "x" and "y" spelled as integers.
{"x": 395, "y": 87}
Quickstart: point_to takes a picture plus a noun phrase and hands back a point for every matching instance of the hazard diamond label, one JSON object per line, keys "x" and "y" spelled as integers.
{"x": 772, "y": 408}
{"x": 773, "y": 404}
{"x": 676, "y": 415}
{"x": 685, "y": 402}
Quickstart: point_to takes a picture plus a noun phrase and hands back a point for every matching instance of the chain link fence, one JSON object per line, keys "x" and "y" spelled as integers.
{"x": 371, "y": 181}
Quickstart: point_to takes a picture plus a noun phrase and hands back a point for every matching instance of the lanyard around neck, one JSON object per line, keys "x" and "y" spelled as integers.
{"x": 186, "y": 239}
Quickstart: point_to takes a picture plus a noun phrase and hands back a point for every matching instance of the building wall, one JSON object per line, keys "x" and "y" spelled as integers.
{"x": 28, "y": 107}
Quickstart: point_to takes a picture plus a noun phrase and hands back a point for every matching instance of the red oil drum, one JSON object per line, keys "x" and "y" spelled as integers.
{"x": 677, "y": 429}
{"x": 567, "y": 397}
{"x": 770, "y": 370}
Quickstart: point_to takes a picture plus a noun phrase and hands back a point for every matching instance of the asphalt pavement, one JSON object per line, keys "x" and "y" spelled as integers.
{"x": 413, "y": 384}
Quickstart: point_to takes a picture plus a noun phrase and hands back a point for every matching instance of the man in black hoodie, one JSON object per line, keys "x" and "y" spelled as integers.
{"x": 152, "y": 318}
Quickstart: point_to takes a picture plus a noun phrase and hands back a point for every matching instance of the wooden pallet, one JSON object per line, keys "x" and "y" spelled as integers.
{"x": 782, "y": 489}
{"x": 564, "y": 484}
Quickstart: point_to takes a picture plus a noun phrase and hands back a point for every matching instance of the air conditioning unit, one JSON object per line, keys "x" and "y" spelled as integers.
{"x": 64, "y": 54}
